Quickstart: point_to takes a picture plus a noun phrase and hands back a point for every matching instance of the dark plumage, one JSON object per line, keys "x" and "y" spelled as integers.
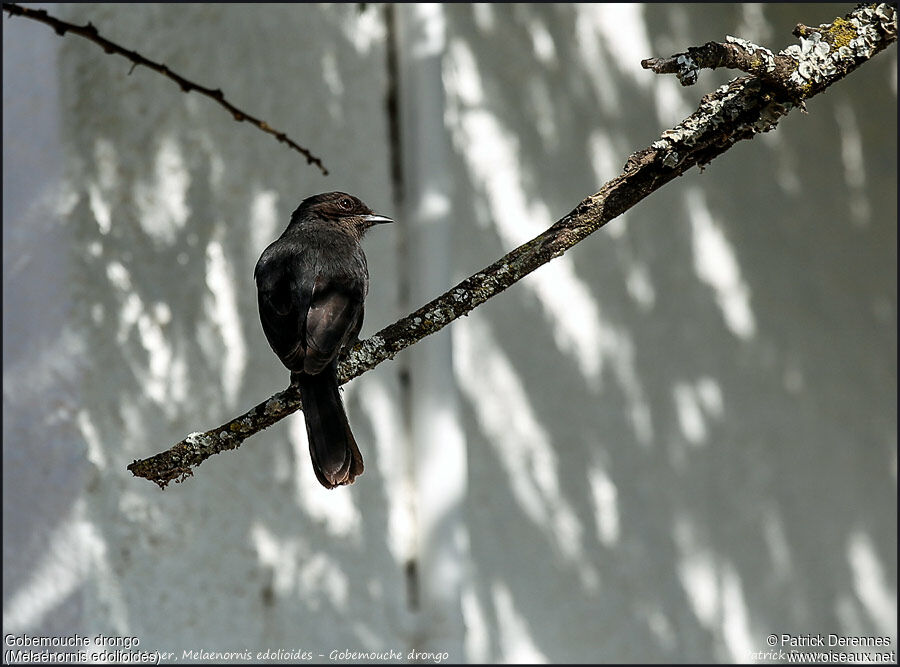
{"x": 312, "y": 283}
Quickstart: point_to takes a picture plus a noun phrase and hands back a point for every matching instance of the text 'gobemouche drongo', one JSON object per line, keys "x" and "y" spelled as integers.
{"x": 311, "y": 285}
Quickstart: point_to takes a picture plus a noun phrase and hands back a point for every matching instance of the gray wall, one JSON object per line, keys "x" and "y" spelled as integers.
{"x": 669, "y": 443}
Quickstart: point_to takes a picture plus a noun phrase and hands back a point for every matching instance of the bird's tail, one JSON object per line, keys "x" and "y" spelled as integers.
{"x": 335, "y": 456}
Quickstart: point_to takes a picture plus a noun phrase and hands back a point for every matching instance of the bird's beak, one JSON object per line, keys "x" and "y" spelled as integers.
{"x": 377, "y": 219}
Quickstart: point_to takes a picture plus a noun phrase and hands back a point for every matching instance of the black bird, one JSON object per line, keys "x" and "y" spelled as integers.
{"x": 311, "y": 285}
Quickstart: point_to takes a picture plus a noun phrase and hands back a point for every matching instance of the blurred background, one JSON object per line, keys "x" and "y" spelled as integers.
{"x": 671, "y": 442}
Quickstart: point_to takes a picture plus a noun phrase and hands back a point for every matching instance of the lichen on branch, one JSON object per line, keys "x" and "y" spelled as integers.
{"x": 824, "y": 55}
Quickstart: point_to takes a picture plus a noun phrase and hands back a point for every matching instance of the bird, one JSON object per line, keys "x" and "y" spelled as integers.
{"x": 311, "y": 287}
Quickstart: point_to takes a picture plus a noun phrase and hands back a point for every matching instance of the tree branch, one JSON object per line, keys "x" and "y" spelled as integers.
{"x": 824, "y": 55}
{"x": 736, "y": 54}
{"x": 90, "y": 32}
{"x": 738, "y": 110}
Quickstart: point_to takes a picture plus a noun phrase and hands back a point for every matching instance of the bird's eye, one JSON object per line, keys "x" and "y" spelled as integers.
{"x": 345, "y": 204}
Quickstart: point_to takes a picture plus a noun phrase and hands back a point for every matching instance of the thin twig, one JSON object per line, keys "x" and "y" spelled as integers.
{"x": 738, "y": 110}
{"x": 90, "y": 32}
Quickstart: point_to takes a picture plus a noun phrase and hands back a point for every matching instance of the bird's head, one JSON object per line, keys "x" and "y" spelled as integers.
{"x": 337, "y": 207}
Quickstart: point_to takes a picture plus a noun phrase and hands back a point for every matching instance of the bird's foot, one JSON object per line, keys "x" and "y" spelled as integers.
{"x": 295, "y": 380}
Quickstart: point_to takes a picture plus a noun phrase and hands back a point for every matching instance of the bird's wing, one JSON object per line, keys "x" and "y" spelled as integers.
{"x": 334, "y": 316}
{"x": 284, "y": 298}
